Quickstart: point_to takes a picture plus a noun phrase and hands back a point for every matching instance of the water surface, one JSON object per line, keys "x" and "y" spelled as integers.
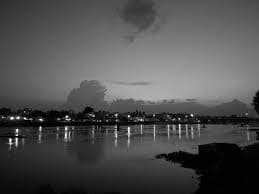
{"x": 106, "y": 159}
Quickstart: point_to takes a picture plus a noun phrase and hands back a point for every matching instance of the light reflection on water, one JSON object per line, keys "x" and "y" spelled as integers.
{"x": 109, "y": 154}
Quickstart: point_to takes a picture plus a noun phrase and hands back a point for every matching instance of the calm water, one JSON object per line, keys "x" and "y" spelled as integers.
{"x": 103, "y": 159}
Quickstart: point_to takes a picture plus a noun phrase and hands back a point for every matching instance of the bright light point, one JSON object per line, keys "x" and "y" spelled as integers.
{"x": 41, "y": 119}
{"x": 12, "y": 118}
{"x": 192, "y": 115}
{"x": 18, "y": 118}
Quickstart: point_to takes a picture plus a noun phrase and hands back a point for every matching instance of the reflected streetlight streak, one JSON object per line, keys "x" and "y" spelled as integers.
{"x": 248, "y": 133}
{"x": 65, "y": 136}
{"x": 40, "y": 136}
{"x": 16, "y": 132}
{"x": 16, "y": 143}
{"x": 128, "y": 132}
{"x": 128, "y": 143}
{"x": 186, "y": 131}
{"x": 199, "y": 130}
{"x": 106, "y": 131}
{"x": 115, "y": 132}
{"x": 141, "y": 129}
{"x": 116, "y": 142}
{"x": 180, "y": 131}
{"x": 192, "y": 133}
{"x": 174, "y": 129}
{"x": 154, "y": 128}
{"x": 168, "y": 131}
{"x": 93, "y": 133}
{"x": 10, "y": 143}
{"x": 69, "y": 135}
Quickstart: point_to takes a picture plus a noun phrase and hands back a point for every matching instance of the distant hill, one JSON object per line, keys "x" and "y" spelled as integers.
{"x": 234, "y": 107}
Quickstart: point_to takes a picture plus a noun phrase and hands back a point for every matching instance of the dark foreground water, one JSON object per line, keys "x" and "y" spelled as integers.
{"x": 106, "y": 159}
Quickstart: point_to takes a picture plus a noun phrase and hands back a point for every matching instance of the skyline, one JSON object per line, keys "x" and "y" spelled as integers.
{"x": 204, "y": 50}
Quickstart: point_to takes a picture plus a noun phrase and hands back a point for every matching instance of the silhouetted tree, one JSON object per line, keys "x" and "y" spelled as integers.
{"x": 37, "y": 113}
{"x": 88, "y": 110}
{"x": 5, "y": 111}
{"x": 256, "y": 102}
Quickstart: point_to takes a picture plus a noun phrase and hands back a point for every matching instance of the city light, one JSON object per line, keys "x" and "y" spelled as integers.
{"x": 41, "y": 119}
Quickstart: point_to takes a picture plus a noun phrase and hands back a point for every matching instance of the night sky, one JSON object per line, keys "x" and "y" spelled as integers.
{"x": 165, "y": 49}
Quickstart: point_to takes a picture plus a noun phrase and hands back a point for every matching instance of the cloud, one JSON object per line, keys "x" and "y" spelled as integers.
{"x": 130, "y": 83}
{"x": 90, "y": 93}
{"x": 141, "y": 14}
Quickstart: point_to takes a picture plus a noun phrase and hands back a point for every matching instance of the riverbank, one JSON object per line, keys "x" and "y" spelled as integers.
{"x": 54, "y": 124}
{"x": 121, "y": 123}
{"x": 221, "y": 167}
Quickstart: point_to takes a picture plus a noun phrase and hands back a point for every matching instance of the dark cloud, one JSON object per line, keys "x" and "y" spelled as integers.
{"x": 141, "y": 14}
{"x": 90, "y": 93}
{"x": 131, "y": 83}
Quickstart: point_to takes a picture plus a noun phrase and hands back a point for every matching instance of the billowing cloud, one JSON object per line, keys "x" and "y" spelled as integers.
{"x": 90, "y": 93}
{"x": 141, "y": 14}
{"x": 130, "y": 83}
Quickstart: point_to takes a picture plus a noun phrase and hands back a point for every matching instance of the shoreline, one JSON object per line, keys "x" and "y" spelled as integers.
{"x": 55, "y": 124}
{"x": 221, "y": 167}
